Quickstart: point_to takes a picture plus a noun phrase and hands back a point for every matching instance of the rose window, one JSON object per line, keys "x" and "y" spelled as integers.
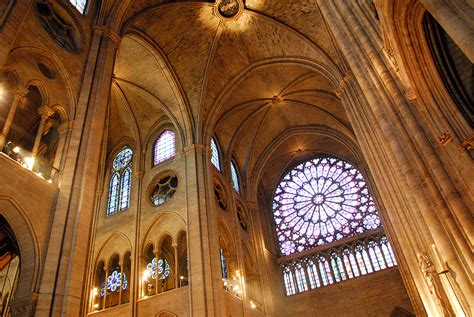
{"x": 321, "y": 201}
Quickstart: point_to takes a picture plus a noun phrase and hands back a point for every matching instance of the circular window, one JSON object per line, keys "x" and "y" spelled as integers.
{"x": 219, "y": 193}
{"x": 321, "y": 201}
{"x": 164, "y": 190}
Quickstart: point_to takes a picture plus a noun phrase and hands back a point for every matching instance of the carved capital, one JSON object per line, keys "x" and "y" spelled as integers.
{"x": 344, "y": 81}
{"x": 45, "y": 111}
{"x": 20, "y": 91}
{"x": 445, "y": 138}
{"x": 467, "y": 145}
{"x": 410, "y": 94}
{"x": 105, "y": 31}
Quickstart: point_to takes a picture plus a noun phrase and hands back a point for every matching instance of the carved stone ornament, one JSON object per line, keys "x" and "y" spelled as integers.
{"x": 445, "y": 138}
{"x": 228, "y": 9}
{"x": 60, "y": 25}
{"x": 432, "y": 280}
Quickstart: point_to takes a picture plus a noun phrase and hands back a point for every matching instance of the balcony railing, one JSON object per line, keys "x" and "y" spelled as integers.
{"x": 337, "y": 263}
{"x": 38, "y": 165}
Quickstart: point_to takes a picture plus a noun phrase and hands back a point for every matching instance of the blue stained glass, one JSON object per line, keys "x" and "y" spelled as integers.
{"x": 125, "y": 188}
{"x": 160, "y": 269}
{"x": 165, "y": 147}
{"x": 122, "y": 159}
{"x": 223, "y": 265}
{"x": 113, "y": 194}
{"x": 120, "y": 182}
{"x": 114, "y": 280}
{"x": 215, "y": 159}
{"x": 235, "y": 176}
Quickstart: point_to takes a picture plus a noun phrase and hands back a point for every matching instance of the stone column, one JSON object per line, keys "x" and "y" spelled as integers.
{"x": 401, "y": 158}
{"x": 203, "y": 249}
{"x": 176, "y": 266}
{"x": 62, "y": 281}
{"x": 45, "y": 112}
{"x": 457, "y": 19}
{"x": 18, "y": 95}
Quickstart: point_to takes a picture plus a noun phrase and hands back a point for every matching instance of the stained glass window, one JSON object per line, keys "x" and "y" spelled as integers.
{"x": 215, "y": 159}
{"x": 337, "y": 264}
{"x": 114, "y": 281}
{"x": 120, "y": 182}
{"x": 80, "y": 5}
{"x": 235, "y": 176}
{"x": 225, "y": 276}
{"x": 158, "y": 269}
{"x": 321, "y": 201}
{"x": 165, "y": 147}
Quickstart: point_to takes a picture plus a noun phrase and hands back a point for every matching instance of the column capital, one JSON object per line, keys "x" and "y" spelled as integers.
{"x": 46, "y": 111}
{"x": 20, "y": 91}
{"x": 105, "y": 31}
{"x": 348, "y": 76}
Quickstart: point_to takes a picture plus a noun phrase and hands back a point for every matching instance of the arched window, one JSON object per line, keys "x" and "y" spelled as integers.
{"x": 165, "y": 147}
{"x": 120, "y": 182}
{"x": 80, "y": 5}
{"x": 215, "y": 158}
{"x": 319, "y": 202}
{"x": 235, "y": 176}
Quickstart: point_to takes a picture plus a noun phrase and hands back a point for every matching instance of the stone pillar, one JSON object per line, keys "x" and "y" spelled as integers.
{"x": 203, "y": 249}
{"x": 457, "y": 19}
{"x": 406, "y": 168}
{"x": 18, "y": 95}
{"x": 176, "y": 266}
{"x": 45, "y": 112}
{"x": 62, "y": 281}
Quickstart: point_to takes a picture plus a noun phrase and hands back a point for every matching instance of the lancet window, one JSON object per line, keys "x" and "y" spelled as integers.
{"x": 120, "y": 182}
{"x": 215, "y": 157}
{"x": 165, "y": 147}
{"x": 235, "y": 176}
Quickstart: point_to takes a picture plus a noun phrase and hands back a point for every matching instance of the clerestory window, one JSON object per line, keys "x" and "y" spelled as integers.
{"x": 120, "y": 182}
{"x": 215, "y": 157}
{"x": 165, "y": 147}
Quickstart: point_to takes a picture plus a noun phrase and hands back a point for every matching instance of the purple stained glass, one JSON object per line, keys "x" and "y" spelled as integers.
{"x": 321, "y": 201}
{"x": 165, "y": 147}
{"x": 80, "y": 5}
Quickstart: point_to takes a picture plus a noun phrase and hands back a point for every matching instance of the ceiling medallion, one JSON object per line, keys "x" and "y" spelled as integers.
{"x": 229, "y": 9}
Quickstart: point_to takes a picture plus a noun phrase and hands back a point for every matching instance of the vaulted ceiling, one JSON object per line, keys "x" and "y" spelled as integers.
{"x": 262, "y": 82}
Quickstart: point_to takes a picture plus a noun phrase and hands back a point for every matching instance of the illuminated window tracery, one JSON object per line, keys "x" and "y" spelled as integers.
{"x": 235, "y": 176}
{"x": 120, "y": 182}
{"x": 80, "y": 5}
{"x": 165, "y": 147}
{"x": 319, "y": 202}
{"x": 215, "y": 158}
